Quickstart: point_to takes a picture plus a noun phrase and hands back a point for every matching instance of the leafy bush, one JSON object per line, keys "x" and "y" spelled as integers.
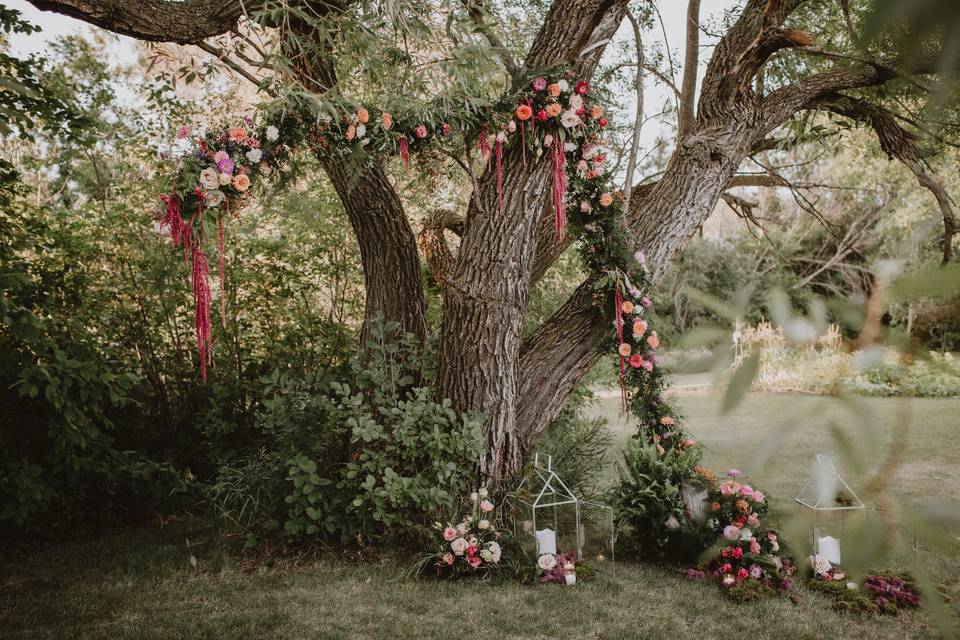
{"x": 650, "y": 513}
{"x": 361, "y": 454}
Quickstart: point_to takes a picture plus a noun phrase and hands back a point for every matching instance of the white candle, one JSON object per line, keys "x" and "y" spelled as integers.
{"x": 829, "y": 547}
{"x": 570, "y": 579}
{"x": 546, "y": 541}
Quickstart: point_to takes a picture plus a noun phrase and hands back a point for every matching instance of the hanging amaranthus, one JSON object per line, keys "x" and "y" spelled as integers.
{"x": 559, "y": 188}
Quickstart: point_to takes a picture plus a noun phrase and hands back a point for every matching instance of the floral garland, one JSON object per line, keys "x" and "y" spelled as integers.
{"x": 554, "y": 116}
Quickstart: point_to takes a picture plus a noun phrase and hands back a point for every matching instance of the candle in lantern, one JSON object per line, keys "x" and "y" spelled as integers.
{"x": 546, "y": 541}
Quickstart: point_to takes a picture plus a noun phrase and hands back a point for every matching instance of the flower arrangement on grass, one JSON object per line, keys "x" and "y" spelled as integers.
{"x": 751, "y": 563}
{"x": 881, "y": 593}
{"x": 555, "y": 567}
{"x": 472, "y": 546}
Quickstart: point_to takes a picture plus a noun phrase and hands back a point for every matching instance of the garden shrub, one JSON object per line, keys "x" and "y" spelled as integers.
{"x": 363, "y": 454}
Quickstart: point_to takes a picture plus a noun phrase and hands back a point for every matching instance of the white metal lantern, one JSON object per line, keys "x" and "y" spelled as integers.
{"x": 549, "y": 518}
{"x": 828, "y": 515}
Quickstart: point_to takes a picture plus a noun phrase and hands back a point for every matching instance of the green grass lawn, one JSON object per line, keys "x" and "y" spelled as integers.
{"x": 141, "y": 584}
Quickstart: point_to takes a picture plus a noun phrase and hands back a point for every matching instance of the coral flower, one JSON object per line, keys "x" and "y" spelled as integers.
{"x": 524, "y": 112}
{"x": 241, "y": 182}
{"x": 351, "y": 132}
{"x": 624, "y": 349}
{"x": 553, "y": 110}
{"x": 554, "y": 89}
{"x": 238, "y": 134}
{"x": 387, "y": 120}
{"x": 639, "y": 328}
{"x": 363, "y": 115}
{"x": 596, "y": 111}
{"x": 636, "y": 361}
{"x": 606, "y": 200}
{"x": 581, "y": 88}
{"x": 667, "y": 421}
{"x": 653, "y": 340}
{"x": 627, "y": 306}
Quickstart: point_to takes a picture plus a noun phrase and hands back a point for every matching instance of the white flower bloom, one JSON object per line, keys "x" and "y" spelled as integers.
{"x": 775, "y": 545}
{"x": 483, "y": 493}
{"x": 745, "y": 534}
{"x": 547, "y": 561}
{"x": 474, "y": 496}
{"x": 483, "y": 524}
{"x": 501, "y": 136}
{"x": 820, "y": 564}
{"x": 576, "y": 102}
{"x": 254, "y": 155}
{"x": 495, "y": 550}
{"x": 570, "y": 119}
{"x": 459, "y": 546}
{"x": 161, "y": 229}
{"x": 547, "y": 140}
{"x": 209, "y": 178}
{"x": 569, "y": 146}
{"x": 511, "y": 126}
{"x": 225, "y": 179}
{"x": 361, "y": 130}
{"x": 564, "y": 85}
{"x": 486, "y": 555}
{"x": 214, "y": 198}
{"x": 272, "y": 133}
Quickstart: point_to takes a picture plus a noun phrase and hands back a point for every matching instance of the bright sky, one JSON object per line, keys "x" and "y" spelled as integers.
{"x": 672, "y": 11}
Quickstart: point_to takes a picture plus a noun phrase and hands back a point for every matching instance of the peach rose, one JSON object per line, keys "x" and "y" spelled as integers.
{"x": 238, "y": 134}
{"x": 596, "y": 111}
{"x": 241, "y": 182}
{"x": 554, "y": 89}
{"x": 553, "y": 110}
{"x": 626, "y": 306}
{"x": 624, "y": 349}
{"x": 387, "y": 120}
{"x": 653, "y": 340}
{"x": 363, "y": 115}
{"x": 351, "y": 132}
{"x": 606, "y": 200}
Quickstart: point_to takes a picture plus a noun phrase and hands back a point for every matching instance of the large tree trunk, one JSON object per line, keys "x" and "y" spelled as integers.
{"x": 388, "y": 249}
{"x": 485, "y": 298}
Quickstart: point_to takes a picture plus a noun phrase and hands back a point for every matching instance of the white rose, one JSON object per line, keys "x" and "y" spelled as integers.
{"x": 483, "y": 493}
{"x": 225, "y": 179}
{"x": 564, "y": 85}
{"x": 474, "y": 496}
{"x": 459, "y": 546}
{"x": 486, "y": 555}
{"x": 547, "y": 561}
{"x": 501, "y": 136}
{"x": 483, "y": 524}
{"x": 361, "y": 130}
{"x": 254, "y": 155}
{"x": 570, "y": 119}
{"x": 209, "y": 179}
{"x": 272, "y": 133}
{"x": 214, "y": 198}
{"x": 568, "y": 147}
{"x": 820, "y": 564}
{"x": 495, "y": 550}
{"x": 745, "y": 534}
{"x": 775, "y": 545}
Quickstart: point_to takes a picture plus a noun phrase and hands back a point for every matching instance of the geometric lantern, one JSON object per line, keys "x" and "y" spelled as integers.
{"x": 549, "y": 518}
{"x": 829, "y": 498}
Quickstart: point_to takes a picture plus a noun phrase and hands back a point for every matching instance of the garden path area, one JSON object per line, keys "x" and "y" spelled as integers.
{"x": 141, "y": 584}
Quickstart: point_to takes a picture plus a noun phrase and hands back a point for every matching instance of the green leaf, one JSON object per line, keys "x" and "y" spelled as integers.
{"x": 740, "y": 382}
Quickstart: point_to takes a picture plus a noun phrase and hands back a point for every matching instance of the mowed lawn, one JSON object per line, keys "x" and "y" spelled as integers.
{"x": 141, "y": 584}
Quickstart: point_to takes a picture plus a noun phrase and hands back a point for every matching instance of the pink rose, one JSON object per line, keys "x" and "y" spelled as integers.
{"x": 746, "y": 490}
{"x": 757, "y": 496}
{"x": 449, "y": 534}
{"x": 726, "y": 488}
{"x": 756, "y": 571}
{"x": 448, "y": 557}
{"x": 647, "y": 366}
{"x": 474, "y": 561}
{"x": 420, "y": 131}
{"x": 753, "y": 520}
{"x": 754, "y": 546}
{"x": 183, "y": 132}
{"x": 731, "y": 532}
{"x": 486, "y": 505}
{"x": 733, "y": 473}
{"x": 539, "y": 83}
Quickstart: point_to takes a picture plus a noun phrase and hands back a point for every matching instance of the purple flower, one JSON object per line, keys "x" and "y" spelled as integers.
{"x": 646, "y": 301}
{"x": 539, "y": 83}
{"x": 755, "y": 571}
{"x": 226, "y": 166}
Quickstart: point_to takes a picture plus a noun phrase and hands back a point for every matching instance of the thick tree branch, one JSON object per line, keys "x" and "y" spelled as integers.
{"x": 688, "y": 88}
{"x": 897, "y": 143}
{"x": 186, "y": 22}
{"x": 436, "y": 251}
